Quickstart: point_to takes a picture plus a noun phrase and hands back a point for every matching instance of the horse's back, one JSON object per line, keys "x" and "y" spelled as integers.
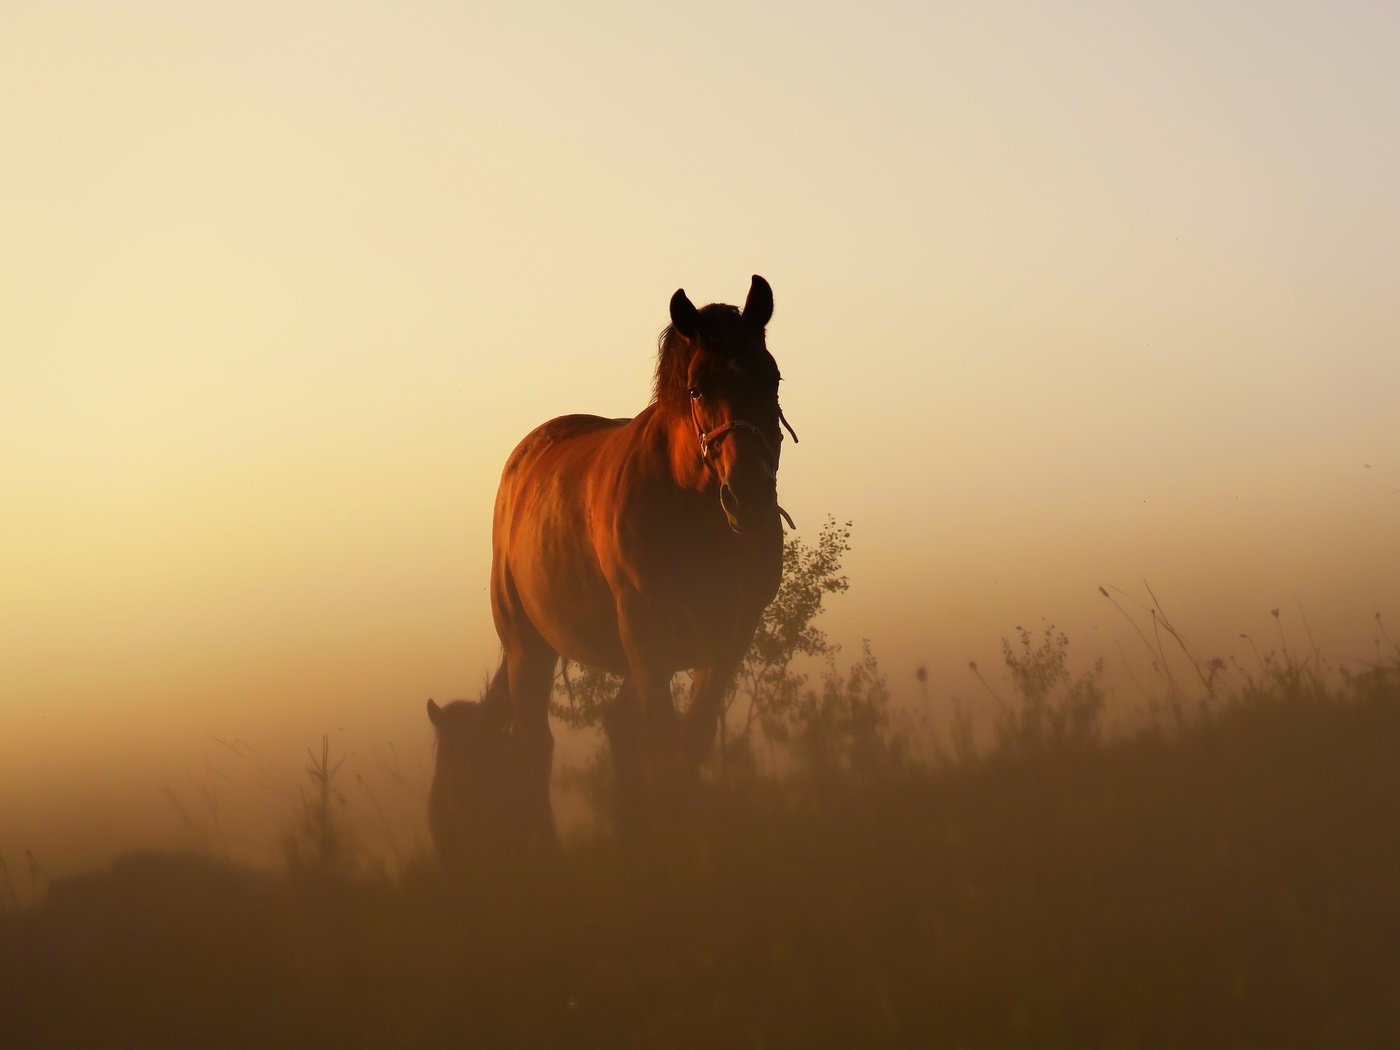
{"x": 547, "y": 571}
{"x": 557, "y": 431}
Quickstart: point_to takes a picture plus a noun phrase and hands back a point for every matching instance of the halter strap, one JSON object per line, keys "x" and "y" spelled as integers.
{"x": 708, "y": 440}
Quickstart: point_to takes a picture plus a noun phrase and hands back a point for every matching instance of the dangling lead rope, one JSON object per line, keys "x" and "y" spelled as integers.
{"x": 783, "y": 419}
{"x": 792, "y": 525}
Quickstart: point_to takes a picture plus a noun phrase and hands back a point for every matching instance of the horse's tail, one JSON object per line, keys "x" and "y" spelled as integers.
{"x": 496, "y": 696}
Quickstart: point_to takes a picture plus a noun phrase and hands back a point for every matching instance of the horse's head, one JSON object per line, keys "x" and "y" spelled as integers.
{"x": 716, "y": 369}
{"x": 471, "y": 780}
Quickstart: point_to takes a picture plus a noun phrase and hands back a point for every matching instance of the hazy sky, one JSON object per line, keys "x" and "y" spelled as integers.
{"x": 1067, "y": 295}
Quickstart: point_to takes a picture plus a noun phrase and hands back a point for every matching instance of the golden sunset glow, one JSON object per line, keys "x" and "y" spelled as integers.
{"x": 1064, "y": 298}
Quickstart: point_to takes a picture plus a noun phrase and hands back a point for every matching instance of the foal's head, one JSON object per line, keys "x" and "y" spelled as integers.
{"x": 471, "y": 782}
{"x": 714, "y": 368}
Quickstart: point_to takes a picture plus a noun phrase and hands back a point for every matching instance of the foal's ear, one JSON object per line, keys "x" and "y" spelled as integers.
{"x": 758, "y": 307}
{"x": 434, "y": 712}
{"x": 684, "y": 317}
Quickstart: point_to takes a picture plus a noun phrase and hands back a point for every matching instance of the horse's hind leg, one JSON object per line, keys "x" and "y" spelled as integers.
{"x": 531, "y": 683}
{"x": 530, "y": 663}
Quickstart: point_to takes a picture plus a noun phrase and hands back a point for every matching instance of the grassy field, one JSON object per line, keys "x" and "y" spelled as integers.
{"x": 1227, "y": 879}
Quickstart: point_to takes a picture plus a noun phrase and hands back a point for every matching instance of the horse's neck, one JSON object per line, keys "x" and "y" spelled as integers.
{"x": 675, "y": 434}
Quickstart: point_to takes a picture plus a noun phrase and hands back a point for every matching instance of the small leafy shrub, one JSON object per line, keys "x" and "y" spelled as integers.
{"x": 1054, "y": 710}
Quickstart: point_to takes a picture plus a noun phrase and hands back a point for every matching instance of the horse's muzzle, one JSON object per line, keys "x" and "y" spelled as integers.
{"x": 747, "y": 516}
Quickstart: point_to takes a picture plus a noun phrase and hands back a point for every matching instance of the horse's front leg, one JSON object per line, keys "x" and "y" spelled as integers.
{"x": 623, "y": 727}
{"x": 622, "y": 723}
{"x": 659, "y": 772}
{"x": 650, "y": 663}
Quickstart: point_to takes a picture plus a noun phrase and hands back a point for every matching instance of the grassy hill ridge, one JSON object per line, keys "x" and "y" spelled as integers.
{"x": 1232, "y": 882}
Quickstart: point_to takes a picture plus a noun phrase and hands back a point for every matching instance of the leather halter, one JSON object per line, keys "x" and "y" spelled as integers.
{"x": 709, "y": 438}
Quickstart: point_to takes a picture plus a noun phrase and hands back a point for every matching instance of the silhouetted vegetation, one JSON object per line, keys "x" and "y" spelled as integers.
{"x": 1222, "y": 876}
{"x": 321, "y": 843}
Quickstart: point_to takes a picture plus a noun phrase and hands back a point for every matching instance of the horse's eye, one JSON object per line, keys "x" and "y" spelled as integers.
{"x": 696, "y": 394}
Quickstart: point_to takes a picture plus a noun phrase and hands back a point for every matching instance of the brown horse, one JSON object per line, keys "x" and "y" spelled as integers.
{"x": 643, "y": 546}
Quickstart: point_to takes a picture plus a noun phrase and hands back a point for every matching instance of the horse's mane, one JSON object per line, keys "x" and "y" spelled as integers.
{"x": 674, "y": 351}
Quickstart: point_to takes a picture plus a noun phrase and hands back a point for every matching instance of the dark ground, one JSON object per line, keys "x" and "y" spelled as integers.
{"x": 1233, "y": 884}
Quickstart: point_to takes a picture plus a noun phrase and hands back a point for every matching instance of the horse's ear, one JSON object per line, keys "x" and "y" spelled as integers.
{"x": 434, "y": 712}
{"x": 758, "y": 307}
{"x": 684, "y": 317}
